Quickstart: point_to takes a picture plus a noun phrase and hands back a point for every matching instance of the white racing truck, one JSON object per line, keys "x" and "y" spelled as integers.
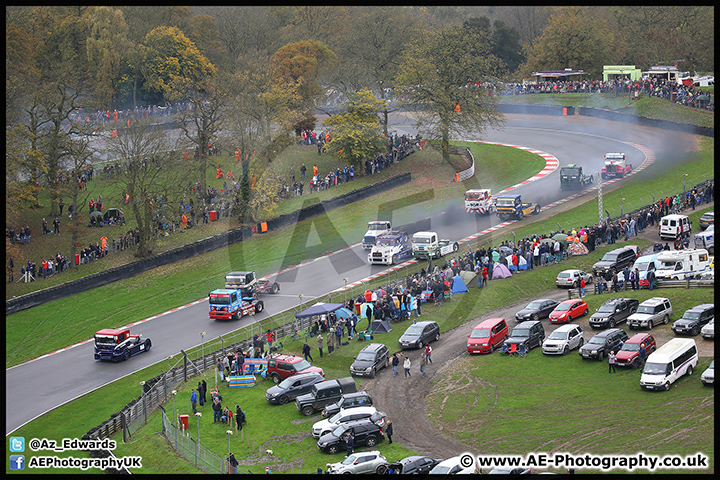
{"x": 389, "y": 249}
{"x": 615, "y": 166}
{"x": 375, "y": 229}
{"x": 428, "y": 245}
{"x": 479, "y": 201}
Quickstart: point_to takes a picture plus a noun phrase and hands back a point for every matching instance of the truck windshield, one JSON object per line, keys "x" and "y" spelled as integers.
{"x": 570, "y": 171}
{"x": 421, "y": 239}
{"x": 376, "y": 226}
{"x": 220, "y": 299}
{"x": 388, "y": 242}
{"x": 105, "y": 340}
{"x": 506, "y": 201}
{"x": 473, "y": 196}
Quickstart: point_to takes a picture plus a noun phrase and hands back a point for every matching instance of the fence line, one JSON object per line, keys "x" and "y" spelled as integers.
{"x": 192, "y": 449}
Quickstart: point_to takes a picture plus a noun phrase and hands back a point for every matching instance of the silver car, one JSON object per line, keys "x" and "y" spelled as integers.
{"x": 360, "y": 462}
{"x": 708, "y": 376}
{"x": 650, "y": 313}
{"x": 571, "y": 278}
{"x": 563, "y": 339}
{"x": 708, "y": 331}
{"x": 328, "y": 425}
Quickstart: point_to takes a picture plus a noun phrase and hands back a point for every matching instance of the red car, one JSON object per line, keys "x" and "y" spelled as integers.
{"x": 282, "y": 366}
{"x": 568, "y": 310}
{"x": 629, "y": 354}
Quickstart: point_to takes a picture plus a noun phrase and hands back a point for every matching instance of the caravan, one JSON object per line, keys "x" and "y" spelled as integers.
{"x": 676, "y": 358}
{"x": 682, "y": 264}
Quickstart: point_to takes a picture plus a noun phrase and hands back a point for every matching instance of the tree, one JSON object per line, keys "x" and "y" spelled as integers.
{"x": 449, "y": 75}
{"x": 153, "y": 176}
{"x": 356, "y": 133}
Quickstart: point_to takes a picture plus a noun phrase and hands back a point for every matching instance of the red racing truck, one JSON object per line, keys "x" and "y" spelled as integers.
{"x": 230, "y": 304}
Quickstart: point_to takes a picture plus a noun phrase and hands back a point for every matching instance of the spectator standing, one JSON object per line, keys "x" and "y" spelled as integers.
{"x": 193, "y": 400}
{"x": 389, "y": 431}
{"x": 406, "y": 366}
{"x": 306, "y": 352}
{"x": 320, "y": 343}
{"x": 395, "y": 363}
{"x": 423, "y": 362}
{"x": 611, "y": 362}
{"x": 330, "y": 341}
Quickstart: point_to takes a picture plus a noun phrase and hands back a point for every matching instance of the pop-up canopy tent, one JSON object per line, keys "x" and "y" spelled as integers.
{"x": 319, "y": 309}
{"x": 458, "y": 285}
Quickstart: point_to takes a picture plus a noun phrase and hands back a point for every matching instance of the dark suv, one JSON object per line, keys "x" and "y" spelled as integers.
{"x": 613, "y": 311}
{"x": 370, "y": 359}
{"x": 292, "y": 387}
{"x": 616, "y": 260}
{"x": 530, "y": 333}
{"x": 693, "y": 319}
{"x": 349, "y": 400}
{"x": 366, "y": 433}
{"x": 281, "y": 367}
{"x": 603, "y": 343}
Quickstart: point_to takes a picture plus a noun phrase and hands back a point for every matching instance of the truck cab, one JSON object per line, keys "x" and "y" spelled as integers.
{"x": 615, "y": 166}
{"x": 375, "y": 229}
{"x": 389, "y": 249}
{"x": 229, "y": 303}
{"x": 118, "y": 344}
{"x": 479, "y": 201}
{"x": 572, "y": 176}
{"x": 512, "y": 207}
{"x": 428, "y": 245}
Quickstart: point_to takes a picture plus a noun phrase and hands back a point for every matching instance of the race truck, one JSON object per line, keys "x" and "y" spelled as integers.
{"x": 512, "y": 207}
{"x": 572, "y": 177}
{"x": 427, "y": 245}
{"x": 389, "y": 249}
{"x": 479, "y": 201}
{"x": 117, "y": 344}
{"x": 375, "y": 229}
{"x": 249, "y": 285}
{"x": 229, "y": 303}
{"x": 615, "y": 166}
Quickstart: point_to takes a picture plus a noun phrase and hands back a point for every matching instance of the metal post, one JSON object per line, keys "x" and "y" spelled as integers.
{"x": 622, "y": 207}
{"x": 142, "y": 396}
{"x": 202, "y": 346}
{"x": 197, "y": 443}
{"x": 600, "y": 199}
{"x": 345, "y": 289}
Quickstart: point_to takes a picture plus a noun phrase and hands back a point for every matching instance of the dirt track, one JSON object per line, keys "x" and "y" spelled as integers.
{"x": 403, "y": 399}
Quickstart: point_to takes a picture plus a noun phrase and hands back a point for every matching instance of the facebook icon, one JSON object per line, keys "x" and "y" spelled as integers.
{"x": 17, "y": 462}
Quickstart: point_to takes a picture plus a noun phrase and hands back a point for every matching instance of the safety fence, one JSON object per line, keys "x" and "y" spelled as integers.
{"x": 191, "y": 448}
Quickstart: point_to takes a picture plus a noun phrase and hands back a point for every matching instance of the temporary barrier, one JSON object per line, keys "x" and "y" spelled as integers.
{"x": 242, "y": 381}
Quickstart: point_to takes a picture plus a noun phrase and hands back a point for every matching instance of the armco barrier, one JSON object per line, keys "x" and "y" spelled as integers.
{"x": 536, "y": 109}
{"x": 644, "y": 121}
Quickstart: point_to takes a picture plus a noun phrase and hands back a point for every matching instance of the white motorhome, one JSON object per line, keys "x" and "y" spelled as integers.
{"x": 676, "y": 358}
{"x": 673, "y": 226}
{"x": 706, "y": 240}
{"x": 681, "y": 264}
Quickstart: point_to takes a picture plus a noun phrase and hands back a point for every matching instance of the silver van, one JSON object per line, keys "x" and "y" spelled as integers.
{"x": 650, "y": 313}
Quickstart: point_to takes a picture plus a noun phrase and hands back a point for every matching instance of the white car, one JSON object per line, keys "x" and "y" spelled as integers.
{"x": 346, "y": 415}
{"x": 708, "y": 376}
{"x": 708, "y": 331}
{"x": 453, "y": 466}
{"x": 563, "y": 339}
{"x": 571, "y": 278}
{"x": 360, "y": 462}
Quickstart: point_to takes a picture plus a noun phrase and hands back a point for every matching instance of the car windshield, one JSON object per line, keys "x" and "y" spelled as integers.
{"x": 631, "y": 347}
{"x": 656, "y": 368}
{"x": 366, "y": 356}
{"x": 606, "y": 308}
{"x": 335, "y": 417}
{"x": 287, "y": 383}
{"x": 563, "y": 307}
{"x": 339, "y": 430}
{"x": 480, "y": 333}
{"x": 597, "y": 340}
{"x": 609, "y": 257}
{"x": 645, "y": 309}
{"x": 690, "y": 316}
{"x": 349, "y": 460}
{"x": 558, "y": 335}
{"x": 414, "y": 330}
{"x": 521, "y": 332}
{"x": 534, "y": 305}
{"x": 642, "y": 266}
{"x": 301, "y": 365}
{"x": 442, "y": 470}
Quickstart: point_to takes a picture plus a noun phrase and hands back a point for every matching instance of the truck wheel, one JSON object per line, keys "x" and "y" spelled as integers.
{"x": 520, "y": 215}
{"x": 259, "y": 307}
{"x": 148, "y": 344}
{"x": 537, "y": 210}
{"x": 393, "y": 260}
{"x": 308, "y": 410}
{"x": 275, "y": 288}
{"x": 126, "y": 355}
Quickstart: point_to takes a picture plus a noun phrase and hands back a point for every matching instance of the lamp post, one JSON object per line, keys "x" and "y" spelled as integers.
{"x": 622, "y": 206}
{"x": 345, "y": 289}
{"x": 202, "y": 348}
{"x": 174, "y": 392}
{"x": 684, "y": 187}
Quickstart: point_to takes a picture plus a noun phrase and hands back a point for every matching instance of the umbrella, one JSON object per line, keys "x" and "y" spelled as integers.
{"x": 560, "y": 237}
{"x": 95, "y": 214}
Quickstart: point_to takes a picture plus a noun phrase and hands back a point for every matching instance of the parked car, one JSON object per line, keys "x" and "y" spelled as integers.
{"x": 512, "y": 471}
{"x": 414, "y": 465}
{"x": 603, "y": 343}
{"x": 419, "y": 334}
{"x": 613, "y": 311}
{"x": 708, "y": 376}
{"x": 366, "y": 433}
{"x": 536, "y": 309}
{"x": 323, "y": 394}
{"x": 629, "y": 354}
{"x": 360, "y": 462}
{"x": 568, "y": 310}
{"x": 571, "y": 278}
{"x": 677, "y": 357}
{"x": 693, "y": 319}
{"x": 707, "y": 219}
{"x": 453, "y": 466}
{"x": 282, "y": 366}
{"x": 292, "y": 387}
{"x": 348, "y": 400}
{"x": 530, "y": 333}
{"x": 487, "y": 336}
{"x": 708, "y": 331}
{"x": 563, "y": 339}
{"x": 616, "y": 259}
{"x": 370, "y": 359}
{"x": 650, "y": 313}
{"x": 343, "y": 416}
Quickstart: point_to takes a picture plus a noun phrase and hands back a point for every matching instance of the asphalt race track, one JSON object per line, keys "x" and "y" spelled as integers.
{"x": 38, "y": 386}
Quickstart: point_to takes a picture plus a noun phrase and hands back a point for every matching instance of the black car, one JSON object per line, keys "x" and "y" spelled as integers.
{"x": 292, "y": 387}
{"x": 370, "y": 359}
{"x": 419, "y": 334}
{"x": 616, "y": 260}
{"x": 603, "y": 343}
{"x": 414, "y": 465}
{"x": 366, "y": 433}
{"x": 693, "y": 319}
{"x": 536, "y": 310}
{"x": 349, "y": 400}
{"x": 530, "y": 333}
{"x": 613, "y": 311}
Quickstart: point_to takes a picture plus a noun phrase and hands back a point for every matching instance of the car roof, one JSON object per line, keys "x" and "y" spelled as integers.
{"x": 488, "y": 322}
{"x": 287, "y": 358}
{"x": 372, "y": 347}
{"x": 618, "y": 250}
{"x": 608, "y": 332}
{"x": 423, "y": 323}
{"x": 654, "y": 301}
{"x": 567, "y": 326}
{"x": 309, "y": 373}
{"x": 572, "y": 300}
{"x": 637, "y": 338}
{"x": 571, "y": 270}
{"x": 701, "y": 308}
{"x": 365, "y": 408}
{"x": 527, "y": 323}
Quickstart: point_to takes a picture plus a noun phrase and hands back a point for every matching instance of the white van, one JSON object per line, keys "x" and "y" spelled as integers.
{"x": 644, "y": 264}
{"x": 681, "y": 264}
{"x": 706, "y": 240}
{"x": 676, "y": 358}
{"x": 673, "y": 226}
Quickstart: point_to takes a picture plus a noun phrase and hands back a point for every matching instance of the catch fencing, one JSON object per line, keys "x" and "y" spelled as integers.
{"x": 191, "y": 449}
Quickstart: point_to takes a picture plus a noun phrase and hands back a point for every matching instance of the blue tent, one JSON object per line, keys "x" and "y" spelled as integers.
{"x": 343, "y": 313}
{"x": 458, "y": 285}
{"x": 319, "y": 309}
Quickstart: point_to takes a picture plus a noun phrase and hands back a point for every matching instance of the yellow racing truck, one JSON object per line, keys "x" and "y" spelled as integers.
{"x": 511, "y": 207}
